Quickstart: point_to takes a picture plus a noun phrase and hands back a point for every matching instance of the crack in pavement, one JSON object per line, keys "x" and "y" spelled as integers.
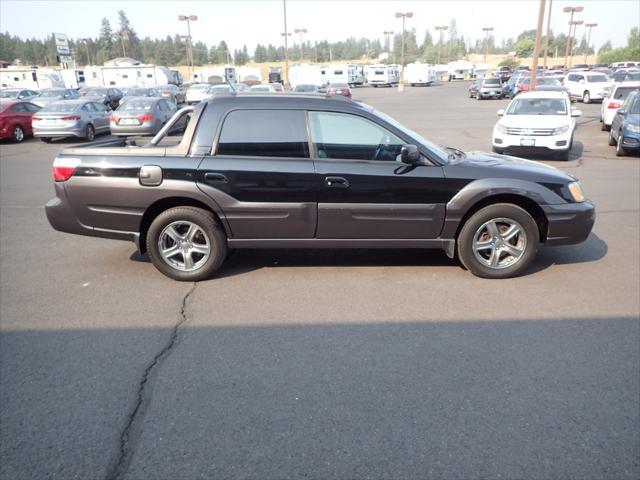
{"x": 120, "y": 464}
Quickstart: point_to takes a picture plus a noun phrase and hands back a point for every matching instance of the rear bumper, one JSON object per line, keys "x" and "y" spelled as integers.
{"x": 62, "y": 218}
{"x": 71, "y": 132}
{"x": 569, "y": 223}
{"x": 134, "y": 130}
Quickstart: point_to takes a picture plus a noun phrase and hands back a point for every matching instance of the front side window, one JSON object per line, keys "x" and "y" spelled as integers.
{"x": 264, "y": 133}
{"x": 344, "y": 136}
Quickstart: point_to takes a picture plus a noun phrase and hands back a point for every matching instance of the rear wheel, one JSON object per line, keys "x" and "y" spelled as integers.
{"x": 498, "y": 241}
{"x": 18, "y": 134}
{"x": 612, "y": 140}
{"x": 186, "y": 243}
{"x": 90, "y": 133}
{"x": 604, "y": 127}
{"x": 586, "y": 97}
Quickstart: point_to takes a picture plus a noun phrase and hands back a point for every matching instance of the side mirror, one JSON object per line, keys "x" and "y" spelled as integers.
{"x": 409, "y": 154}
{"x": 575, "y": 112}
{"x": 500, "y": 112}
{"x": 620, "y": 111}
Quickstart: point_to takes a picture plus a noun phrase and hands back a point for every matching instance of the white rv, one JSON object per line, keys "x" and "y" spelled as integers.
{"x": 213, "y": 75}
{"x": 461, "y": 70}
{"x": 34, "y": 78}
{"x": 249, "y": 75}
{"x": 481, "y": 69}
{"x": 306, "y": 75}
{"x": 385, "y": 75}
{"x": 419, "y": 74}
{"x": 350, "y": 74}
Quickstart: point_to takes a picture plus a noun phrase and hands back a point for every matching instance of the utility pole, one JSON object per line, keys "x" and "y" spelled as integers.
{"x": 301, "y": 31}
{"x": 571, "y": 10}
{"x": 589, "y": 26}
{"x": 486, "y": 41}
{"x": 575, "y": 24}
{"x": 403, "y": 16}
{"x": 122, "y": 34}
{"x": 546, "y": 40}
{"x": 286, "y": 43}
{"x": 536, "y": 48}
{"x": 388, "y": 33}
{"x": 86, "y": 44}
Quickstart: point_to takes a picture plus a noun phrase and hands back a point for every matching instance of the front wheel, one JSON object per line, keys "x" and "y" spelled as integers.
{"x": 498, "y": 241}
{"x": 186, "y": 243}
{"x": 586, "y": 97}
{"x": 497, "y": 150}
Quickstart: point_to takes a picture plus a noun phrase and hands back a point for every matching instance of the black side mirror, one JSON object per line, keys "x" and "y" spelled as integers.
{"x": 409, "y": 154}
{"x": 620, "y": 111}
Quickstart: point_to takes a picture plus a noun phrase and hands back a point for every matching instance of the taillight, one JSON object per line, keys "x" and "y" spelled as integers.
{"x": 113, "y": 118}
{"x": 71, "y": 117}
{"x": 63, "y": 168}
{"x": 145, "y": 118}
{"x": 36, "y": 118}
{"x": 613, "y": 105}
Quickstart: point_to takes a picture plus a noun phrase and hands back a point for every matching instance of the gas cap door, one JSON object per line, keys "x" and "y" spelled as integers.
{"x": 150, "y": 175}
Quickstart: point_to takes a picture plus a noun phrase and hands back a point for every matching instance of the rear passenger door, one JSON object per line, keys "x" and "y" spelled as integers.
{"x": 261, "y": 176}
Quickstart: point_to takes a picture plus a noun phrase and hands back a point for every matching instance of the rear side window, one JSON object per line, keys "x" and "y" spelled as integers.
{"x": 264, "y": 133}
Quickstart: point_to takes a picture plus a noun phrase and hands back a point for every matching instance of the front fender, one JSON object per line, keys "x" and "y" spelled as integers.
{"x": 479, "y": 190}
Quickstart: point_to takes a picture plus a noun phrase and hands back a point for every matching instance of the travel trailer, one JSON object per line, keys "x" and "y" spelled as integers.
{"x": 349, "y": 74}
{"x": 30, "y": 77}
{"x": 305, "y": 75}
{"x": 419, "y": 74}
{"x": 383, "y": 75}
{"x": 214, "y": 75}
{"x": 249, "y": 75}
{"x": 461, "y": 70}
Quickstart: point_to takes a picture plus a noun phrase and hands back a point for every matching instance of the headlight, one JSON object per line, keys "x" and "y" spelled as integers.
{"x": 575, "y": 189}
{"x": 561, "y": 130}
{"x": 501, "y": 128}
{"x": 633, "y": 128}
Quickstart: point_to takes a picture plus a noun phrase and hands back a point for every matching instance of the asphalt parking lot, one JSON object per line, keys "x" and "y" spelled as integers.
{"x": 324, "y": 364}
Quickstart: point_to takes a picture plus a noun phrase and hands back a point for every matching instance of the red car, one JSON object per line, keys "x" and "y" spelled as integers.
{"x": 339, "y": 89}
{"x": 15, "y": 119}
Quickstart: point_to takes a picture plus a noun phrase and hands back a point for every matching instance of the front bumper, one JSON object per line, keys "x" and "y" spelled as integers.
{"x": 555, "y": 143}
{"x": 630, "y": 141}
{"x": 569, "y": 223}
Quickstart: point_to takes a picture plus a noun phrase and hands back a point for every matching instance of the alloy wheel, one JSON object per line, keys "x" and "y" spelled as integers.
{"x": 184, "y": 245}
{"x": 18, "y": 133}
{"x": 499, "y": 243}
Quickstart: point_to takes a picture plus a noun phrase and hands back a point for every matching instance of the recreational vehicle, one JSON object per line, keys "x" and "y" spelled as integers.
{"x": 305, "y": 75}
{"x": 419, "y": 74}
{"x": 385, "y": 75}
{"x": 249, "y": 75}
{"x": 32, "y": 77}
{"x": 214, "y": 75}
{"x": 350, "y": 74}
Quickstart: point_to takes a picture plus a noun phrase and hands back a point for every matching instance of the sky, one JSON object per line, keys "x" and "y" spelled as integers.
{"x": 244, "y": 22}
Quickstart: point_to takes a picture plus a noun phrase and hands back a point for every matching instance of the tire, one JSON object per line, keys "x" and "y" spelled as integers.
{"x": 603, "y": 127}
{"x": 612, "y": 142}
{"x": 46, "y": 139}
{"x": 620, "y": 150}
{"x": 586, "y": 97}
{"x": 18, "y": 134}
{"x": 90, "y": 133}
{"x": 500, "y": 217}
{"x": 563, "y": 154}
{"x": 497, "y": 150}
{"x": 208, "y": 235}
{"x": 478, "y": 96}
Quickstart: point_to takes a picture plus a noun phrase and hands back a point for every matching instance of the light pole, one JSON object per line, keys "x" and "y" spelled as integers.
{"x": 575, "y": 24}
{"x": 86, "y": 44}
{"x": 486, "y": 41}
{"x": 388, "y": 33}
{"x": 589, "y": 26}
{"x": 546, "y": 40}
{"x": 286, "y": 34}
{"x": 189, "y": 19}
{"x": 403, "y": 16}
{"x": 571, "y": 10}
{"x": 441, "y": 29}
{"x": 301, "y": 31}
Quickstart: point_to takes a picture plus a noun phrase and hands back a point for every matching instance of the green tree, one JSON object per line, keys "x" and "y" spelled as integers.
{"x": 524, "y": 47}
{"x": 106, "y": 48}
{"x": 131, "y": 40}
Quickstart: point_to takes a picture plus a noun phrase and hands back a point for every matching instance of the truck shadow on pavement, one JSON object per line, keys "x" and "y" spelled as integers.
{"x": 243, "y": 261}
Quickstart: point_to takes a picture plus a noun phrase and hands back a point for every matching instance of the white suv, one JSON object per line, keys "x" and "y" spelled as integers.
{"x": 587, "y": 86}
{"x": 614, "y": 100}
{"x": 536, "y": 121}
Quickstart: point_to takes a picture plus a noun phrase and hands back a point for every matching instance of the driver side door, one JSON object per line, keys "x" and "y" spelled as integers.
{"x": 365, "y": 192}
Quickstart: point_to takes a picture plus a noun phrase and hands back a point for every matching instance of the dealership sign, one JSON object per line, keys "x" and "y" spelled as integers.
{"x": 62, "y": 44}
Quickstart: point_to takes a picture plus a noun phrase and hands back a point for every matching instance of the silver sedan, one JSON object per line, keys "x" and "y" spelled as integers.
{"x": 71, "y": 118}
{"x": 141, "y": 116}
{"x": 51, "y": 95}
